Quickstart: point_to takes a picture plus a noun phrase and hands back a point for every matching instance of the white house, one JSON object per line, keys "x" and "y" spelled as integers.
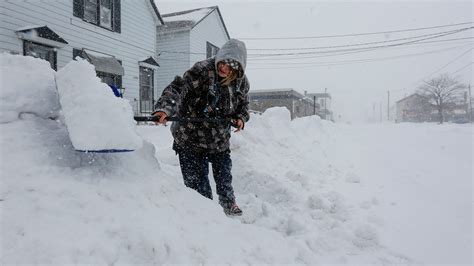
{"x": 187, "y": 37}
{"x": 117, "y": 36}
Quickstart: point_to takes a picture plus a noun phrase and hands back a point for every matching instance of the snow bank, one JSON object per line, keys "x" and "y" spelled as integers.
{"x": 95, "y": 118}
{"x": 64, "y": 207}
{"x": 26, "y": 86}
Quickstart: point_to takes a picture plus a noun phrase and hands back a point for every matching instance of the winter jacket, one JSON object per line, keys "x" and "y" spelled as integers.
{"x": 199, "y": 94}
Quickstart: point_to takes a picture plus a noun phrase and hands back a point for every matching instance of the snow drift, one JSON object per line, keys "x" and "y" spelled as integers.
{"x": 96, "y": 120}
{"x": 27, "y": 86}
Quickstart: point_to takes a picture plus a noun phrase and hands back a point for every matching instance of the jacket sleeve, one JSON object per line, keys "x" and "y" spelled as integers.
{"x": 173, "y": 95}
{"x": 242, "y": 109}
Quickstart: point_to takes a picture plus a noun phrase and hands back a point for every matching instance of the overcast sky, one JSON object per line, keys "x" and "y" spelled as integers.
{"x": 356, "y": 86}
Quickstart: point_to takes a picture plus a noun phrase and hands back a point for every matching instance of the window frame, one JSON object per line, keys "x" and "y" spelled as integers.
{"x": 211, "y": 50}
{"x": 151, "y": 87}
{"x": 111, "y": 14}
{"x": 117, "y": 79}
{"x": 79, "y": 8}
{"x": 54, "y": 65}
{"x": 97, "y": 12}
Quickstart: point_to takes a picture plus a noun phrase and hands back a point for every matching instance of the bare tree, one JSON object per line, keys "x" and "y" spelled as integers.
{"x": 442, "y": 92}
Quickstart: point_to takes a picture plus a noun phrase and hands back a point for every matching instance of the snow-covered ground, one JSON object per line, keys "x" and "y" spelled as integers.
{"x": 313, "y": 192}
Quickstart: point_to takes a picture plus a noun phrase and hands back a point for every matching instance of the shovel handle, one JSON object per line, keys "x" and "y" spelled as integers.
{"x": 185, "y": 119}
{"x": 153, "y": 118}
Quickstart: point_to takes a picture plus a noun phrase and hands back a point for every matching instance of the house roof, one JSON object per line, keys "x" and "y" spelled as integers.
{"x": 42, "y": 34}
{"x": 319, "y": 95}
{"x": 156, "y": 11}
{"x": 188, "y": 19}
{"x": 276, "y": 92}
{"x": 410, "y": 96}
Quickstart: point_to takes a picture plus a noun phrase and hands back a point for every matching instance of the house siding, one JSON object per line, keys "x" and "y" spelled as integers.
{"x": 205, "y": 32}
{"x": 413, "y": 109}
{"x": 136, "y": 42}
{"x": 172, "y": 64}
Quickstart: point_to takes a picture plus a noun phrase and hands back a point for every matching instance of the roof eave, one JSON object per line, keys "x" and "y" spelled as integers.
{"x": 220, "y": 16}
{"x": 157, "y": 12}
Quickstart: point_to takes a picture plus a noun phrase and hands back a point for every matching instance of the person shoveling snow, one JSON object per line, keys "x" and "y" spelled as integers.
{"x": 214, "y": 90}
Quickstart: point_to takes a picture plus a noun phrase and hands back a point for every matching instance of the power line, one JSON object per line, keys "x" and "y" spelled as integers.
{"x": 450, "y": 62}
{"x": 348, "y": 62}
{"x": 261, "y": 56}
{"x": 378, "y": 46}
{"x": 356, "y": 44}
{"x": 356, "y": 34}
{"x": 364, "y": 60}
{"x": 462, "y": 68}
{"x": 358, "y": 51}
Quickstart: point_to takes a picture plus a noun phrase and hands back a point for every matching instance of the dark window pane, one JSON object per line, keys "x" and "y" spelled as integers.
{"x": 116, "y": 16}
{"x": 90, "y": 11}
{"x": 76, "y": 52}
{"x": 146, "y": 90}
{"x": 211, "y": 50}
{"x": 41, "y": 51}
{"x": 78, "y": 8}
{"x": 106, "y": 13}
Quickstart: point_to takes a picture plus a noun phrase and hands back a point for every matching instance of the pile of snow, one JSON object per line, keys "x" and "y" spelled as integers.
{"x": 313, "y": 192}
{"x": 27, "y": 86}
{"x": 95, "y": 119}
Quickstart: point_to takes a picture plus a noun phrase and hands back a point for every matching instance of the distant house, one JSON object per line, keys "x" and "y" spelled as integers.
{"x": 295, "y": 102}
{"x": 324, "y": 100}
{"x": 188, "y": 37}
{"x": 117, "y": 37}
{"x": 414, "y": 108}
{"x": 418, "y": 108}
{"x": 459, "y": 110}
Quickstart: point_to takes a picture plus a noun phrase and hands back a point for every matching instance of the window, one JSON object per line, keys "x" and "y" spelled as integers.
{"x": 104, "y": 13}
{"x": 76, "y": 53}
{"x": 110, "y": 79}
{"x": 90, "y": 11}
{"x": 37, "y": 50}
{"x": 211, "y": 50}
{"x": 146, "y": 90}
{"x": 107, "y": 78}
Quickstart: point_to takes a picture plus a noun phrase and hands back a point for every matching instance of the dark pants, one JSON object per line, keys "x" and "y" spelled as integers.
{"x": 195, "y": 170}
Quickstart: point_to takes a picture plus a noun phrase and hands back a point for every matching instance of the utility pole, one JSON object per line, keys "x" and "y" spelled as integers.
{"x": 314, "y": 105}
{"x": 325, "y": 100}
{"x": 470, "y": 104}
{"x": 388, "y": 105}
{"x": 373, "y": 113}
{"x": 381, "y": 112}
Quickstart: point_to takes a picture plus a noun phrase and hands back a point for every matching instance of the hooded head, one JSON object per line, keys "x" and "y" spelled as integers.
{"x": 233, "y": 51}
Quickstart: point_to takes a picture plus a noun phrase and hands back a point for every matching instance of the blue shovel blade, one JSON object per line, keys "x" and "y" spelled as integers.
{"x": 105, "y": 151}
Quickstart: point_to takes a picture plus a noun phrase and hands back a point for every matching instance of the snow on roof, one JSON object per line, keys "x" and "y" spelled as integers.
{"x": 193, "y": 15}
{"x": 271, "y": 90}
{"x": 280, "y": 92}
{"x": 29, "y": 27}
{"x": 187, "y": 19}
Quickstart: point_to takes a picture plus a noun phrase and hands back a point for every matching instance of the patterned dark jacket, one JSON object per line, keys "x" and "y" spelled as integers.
{"x": 199, "y": 94}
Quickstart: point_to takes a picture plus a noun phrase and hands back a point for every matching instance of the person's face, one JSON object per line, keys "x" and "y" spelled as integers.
{"x": 223, "y": 70}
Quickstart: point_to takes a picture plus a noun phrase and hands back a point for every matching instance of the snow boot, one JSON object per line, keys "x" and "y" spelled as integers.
{"x": 232, "y": 210}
